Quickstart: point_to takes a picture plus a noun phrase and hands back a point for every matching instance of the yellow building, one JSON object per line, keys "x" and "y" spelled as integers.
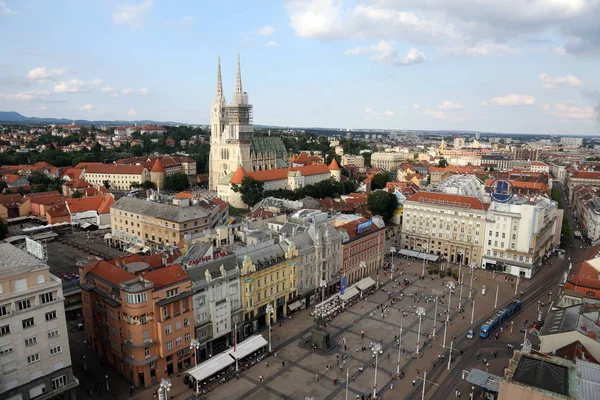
{"x": 268, "y": 279}
{"x": 139, "y": 223}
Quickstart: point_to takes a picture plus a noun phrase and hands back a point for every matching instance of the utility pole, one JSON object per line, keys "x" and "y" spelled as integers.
{"x": 399, "y": 351}
{"x": 473, "y": 312}
{"x": 496, "y": 302}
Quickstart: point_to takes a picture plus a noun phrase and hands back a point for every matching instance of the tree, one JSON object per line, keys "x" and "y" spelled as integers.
{"x": 176, "y": 182}
{"x": 148, "y": 185}
{"x": 251, "y": 190}
{"x": 134, "y": 185}
{"x": 382, "y": 203}
{"x": 106, "y": 184}
{"x": 76, "y": 195}
{"x": 379, "y": 180}
{"x": 443, "y": 163}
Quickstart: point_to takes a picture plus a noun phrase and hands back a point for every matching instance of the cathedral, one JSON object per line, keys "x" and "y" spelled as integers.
{"x": 235, "y": 153}
{"x": 231, "y": 137}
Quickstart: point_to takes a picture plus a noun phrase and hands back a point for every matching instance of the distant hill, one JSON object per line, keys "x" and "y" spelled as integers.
{"x": 16, "y": 118}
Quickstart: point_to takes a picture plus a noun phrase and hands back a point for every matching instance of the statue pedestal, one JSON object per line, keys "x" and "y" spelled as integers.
{"x": 320, "y": 338}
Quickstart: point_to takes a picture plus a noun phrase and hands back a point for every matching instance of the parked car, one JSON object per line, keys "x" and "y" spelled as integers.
{"x": 470, "y": 334}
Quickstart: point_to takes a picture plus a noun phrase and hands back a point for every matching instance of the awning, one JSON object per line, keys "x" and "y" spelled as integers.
{"x": 134, "y": 249}
{"x": 248, "y": 347}
{"x": 211, "y": 366}
{"x": 349, "y": 293}
{"x": 489, "y": 261}
{"x": 366, "y": 283}
{"x": 85, "y": 225}
{"x": 419, "y": 254}
{"x": 73, "y": 307}
{"x": 295, "y": 305}
{"x": 108, "y": 236}
{"x": 484, "y": 380}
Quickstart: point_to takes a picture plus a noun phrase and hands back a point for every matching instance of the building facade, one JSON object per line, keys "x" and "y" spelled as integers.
{"x": 348, "y": 159}
{"x": 138, "y": 320}
{"x": 268, "y": 281}
{"x": 387, "y": 161}
{"x": 34, "y": 341}
{"x": 117, "y": 176}
{"x": 154, "y": 225}
{"x": 363, "y": 248}
{"x": 450, "y": 226}
{"x": 217, "y": 297}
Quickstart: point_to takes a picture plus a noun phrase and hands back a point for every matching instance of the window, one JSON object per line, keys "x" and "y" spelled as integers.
{"x": 53, "y": 333}
{"x": 178, "y": 341}
{"x": 33, "y": 358}
{"x": 178, "y": 325}
{"x": 136, "y": 298}
{"x": 186, "y": 322}
{"x": 20, "y": 285}
{"x": 188, "y": 337}
{"x": 55, "y": 350}
{"x": 170, "y": 345}
{"x": 27, "y": 323}
{"x": 4, "y": 310}
{"x": 169, "y": 329}
{"x": 183, "y": 305}
{"x": 172, "y": 292}
{"x": 165, "y": 313}
{"x": 30, "y": 341}
{"x": 147, "y": 353}
{"x": 23, "y": 304}
{"x": 4, "y": 330}
{"x": 50, "y": 315}
{"x": 40, "y": 279}
{"x": 10, "y": 367}
{"x": 59, "y": 382}
{"x": 46, "y": 298}
{"x": 6, "y": 349}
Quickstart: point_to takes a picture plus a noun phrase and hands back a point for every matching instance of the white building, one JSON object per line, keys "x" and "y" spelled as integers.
{"x": 387, "y": 161}
{"x": 571, "y": 141}
{"x": 459, "y": 142}
{"x": 217, "y": 298}
{"x": 464, "y": 185}
{"x": 34, "y": 345}
{"x": 539, "y": 166}
{"x": 518, "y": 234}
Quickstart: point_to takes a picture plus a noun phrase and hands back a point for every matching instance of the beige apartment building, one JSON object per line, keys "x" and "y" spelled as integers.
{"x": 387, "y": 161}
{"x": 119, "y": 176}
{"x": 146, "y": 225}
{"x": 35, "y": 360}
{"x": 348, "y": 159}
{"x": 450, "y": 226}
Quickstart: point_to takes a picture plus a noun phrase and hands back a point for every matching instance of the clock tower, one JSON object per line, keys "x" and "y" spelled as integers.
{"x": 231, "y": 132}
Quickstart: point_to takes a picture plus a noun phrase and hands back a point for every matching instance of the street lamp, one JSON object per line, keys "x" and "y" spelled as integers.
{"x": 424, "y": 246}
{"x": 164, "y": 388}
{"x": 194, "y": 346}
{"x": 399, "y": 352}
{"x": 376, "y": 350}
{"x": 461, "y": 278}
{"x": 549, "y": 297}
{"x": 434, "y": 336}
{"x": 471, "y": 287}
{"x": 362, "y": 265}
{"x": 539, "y": 304}
{"x": 392, "y": 250}
{"x": 269, "y": 311}
{"x": 420, "y": 313}
{"x": 323, "y": 285}
{"x": 106, "y": 378}
{"x": 84, "y": 364}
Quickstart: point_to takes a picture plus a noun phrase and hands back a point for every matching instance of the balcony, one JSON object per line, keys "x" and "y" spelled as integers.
{"x": 55, "y": 393}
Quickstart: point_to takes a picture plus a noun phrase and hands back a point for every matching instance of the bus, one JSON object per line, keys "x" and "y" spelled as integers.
{"x": 499, "y": 317}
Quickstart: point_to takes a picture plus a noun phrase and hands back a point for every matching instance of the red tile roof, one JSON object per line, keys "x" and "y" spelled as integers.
{"x": 8, "y": 200}
{"x": 166, "y": 276}
{"x": 269, "y": 174}
{"x": 587, "y": 175}
{"x": 111, "y": 273}
{"x": 157, "y": 167}
{"x": 184, "y": 195}
{"x": 350, "y": 228}
{"x": 448, "y": 199}
{"x": 101, "y": 204}
{"x": 238, "y": 176}
{"x": 114, "y": 169}
{"x": 45, "y": 198}
{"x": 58, "y": 211}
{"x": 334, "y": 165}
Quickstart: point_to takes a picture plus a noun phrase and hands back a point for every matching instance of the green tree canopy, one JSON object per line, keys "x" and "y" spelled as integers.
{"x": 177, "y": 182}
{"x": 379, "y": 180}
{"x": 443, "y": 163}
{"x": 251, "y": 190}
{"x": 382, "y": 202}
{"x": 76, "y": 194}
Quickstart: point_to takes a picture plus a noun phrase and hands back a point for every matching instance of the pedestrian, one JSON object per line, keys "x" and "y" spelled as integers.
{"x": 418, "y": 372}
{"x": 267, "y": 364}
{"x": 131, "y": 390}
{"x": 353, "y": 378}
{"x": 283, "y": 364}
{"x": 414, "y": 382}
{"x": 317, "y": 377}
{"x": 388, "y": 356}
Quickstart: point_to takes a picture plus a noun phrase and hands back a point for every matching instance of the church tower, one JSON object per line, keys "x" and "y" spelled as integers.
{"x": 231, "y": 132}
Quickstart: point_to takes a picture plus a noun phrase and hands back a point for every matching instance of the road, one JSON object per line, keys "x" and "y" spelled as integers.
{"x": 454, "y": 378}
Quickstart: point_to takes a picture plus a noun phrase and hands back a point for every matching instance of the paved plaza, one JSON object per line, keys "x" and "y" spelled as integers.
{"x": 294, "y": 367}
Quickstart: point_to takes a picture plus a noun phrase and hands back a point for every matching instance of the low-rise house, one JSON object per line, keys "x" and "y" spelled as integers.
{"x": 92, "y": 210}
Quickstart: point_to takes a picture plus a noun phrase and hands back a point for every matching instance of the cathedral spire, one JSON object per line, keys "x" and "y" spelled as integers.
{"x": 238, "y": 96}
{"x": 219, "y": 81}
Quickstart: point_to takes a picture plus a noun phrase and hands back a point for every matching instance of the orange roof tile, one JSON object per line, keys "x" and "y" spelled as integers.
{"x": 157, "y": 167}
{"x": 184, "y": 195}
{"x": 334, "y": 165}
{"x": 45, "y": 198}
{"x": 58, "y": 211}
{"x": 104, "y": 207}
{"x": 239, "y": 175}
{"x": 166, "y": 276}
{"x": 114, "y": 169}
{"x": 11, "y": 199}
{"x": 448, "y": 199}
{"x": 269, "y": 174}
{"x": 587, "y": 175}
{"x": 85, "y": 204}
{"x": 111, "y": 273}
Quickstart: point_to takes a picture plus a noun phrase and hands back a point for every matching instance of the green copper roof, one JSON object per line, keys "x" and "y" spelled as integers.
{"x": 267, "y": 145}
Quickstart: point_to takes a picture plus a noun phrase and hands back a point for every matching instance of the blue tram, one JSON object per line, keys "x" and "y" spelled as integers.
{"x": 499, "y": 317}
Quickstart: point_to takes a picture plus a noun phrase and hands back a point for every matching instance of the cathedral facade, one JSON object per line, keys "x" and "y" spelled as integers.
{"x": 231, "y": 137}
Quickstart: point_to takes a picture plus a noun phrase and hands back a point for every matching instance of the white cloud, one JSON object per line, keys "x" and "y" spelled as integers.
{"x": 416, "y": 106}
{"x": 434, "y": 114}
{"x": 188, "y": 20}
{"x": 43, "y": 74}
{"x": 512, "y": 100}
{"x": 374, "y": 114}
{"x": 482, "y": 50}
{"x": 131, "y": 113}
{"x": 354, "y": 51}
{"x": 112, "y": 92}
{"x": 129, "y": 92}
{"x": 551, "y": 83}
{"x": 384, "y": 52}
{"x": 27, "y": 96}
{"x": 448, "y": 105}
{"x": 87, "y": 107}
{"x": 271, "y": 44}
{"x": 545, "y": 106}
{"x": 4, "y": 10}
{"x": 132, "y": 14}
{"x": 567, "y": 111}
{"x": 266, "y": 31}
{"x": 76, "y": 86}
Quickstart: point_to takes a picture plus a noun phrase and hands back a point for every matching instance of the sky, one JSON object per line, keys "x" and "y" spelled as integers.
{"x": 519, "y": 66}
